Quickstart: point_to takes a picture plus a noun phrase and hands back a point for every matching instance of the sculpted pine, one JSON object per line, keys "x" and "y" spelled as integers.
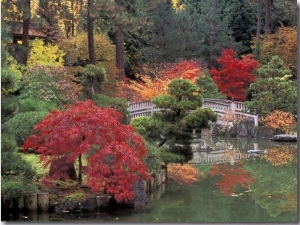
{"x": 114, "y": 151}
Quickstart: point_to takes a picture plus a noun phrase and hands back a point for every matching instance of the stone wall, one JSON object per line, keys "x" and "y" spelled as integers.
{"x": 244, "y": 128}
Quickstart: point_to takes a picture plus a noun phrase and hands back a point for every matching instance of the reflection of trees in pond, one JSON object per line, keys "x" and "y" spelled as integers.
{"x": 275, "y": 188}
{"x": 232, "y": 177}
{"x": 183, "y": 173}
{"x": 280, "y": 156}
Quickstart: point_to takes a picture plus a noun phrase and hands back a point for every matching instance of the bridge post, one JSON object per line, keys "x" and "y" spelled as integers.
{"x": 194, "y": 133}
{"x": 255, "y": 146}
{"x": 232, "y": 104}
{"x": 232, "y": 159}
{"x": 256, "y": 120}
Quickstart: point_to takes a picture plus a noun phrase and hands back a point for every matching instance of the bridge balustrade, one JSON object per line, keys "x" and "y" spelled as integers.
{"x": 147, "y": 108}
{"x": 220, "y": 104}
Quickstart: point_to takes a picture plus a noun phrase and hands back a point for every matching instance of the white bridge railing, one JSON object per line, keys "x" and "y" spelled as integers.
{"x": 221, "y": 107}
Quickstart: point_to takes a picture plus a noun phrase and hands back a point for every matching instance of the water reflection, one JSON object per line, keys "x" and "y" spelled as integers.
{"x": 250, "y": 190}
{"x": 245, "y": 143}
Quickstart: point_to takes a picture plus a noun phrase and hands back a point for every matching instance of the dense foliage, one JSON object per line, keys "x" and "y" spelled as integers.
{"x": 51, "y": 84}
{"x": 45, "y": 54}
{"x": 155, "y": 81}
{"x": 280, "y": 120}
{"x": 282, "y": 43}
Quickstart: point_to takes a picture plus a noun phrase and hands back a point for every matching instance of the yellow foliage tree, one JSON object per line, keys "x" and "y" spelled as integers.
{"x": 76, "y": 49}
{"x": 77, "y": 53}
{"x": 45, "y": 54}
{"x": 279, "y": 120}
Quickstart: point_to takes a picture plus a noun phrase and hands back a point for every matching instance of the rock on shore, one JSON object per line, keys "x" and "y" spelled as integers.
{"x": 284, "y": 138}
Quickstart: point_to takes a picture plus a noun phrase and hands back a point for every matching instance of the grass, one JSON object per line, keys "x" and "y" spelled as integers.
{"x": 33, "y": 160}
{"x": 77, "y": 195}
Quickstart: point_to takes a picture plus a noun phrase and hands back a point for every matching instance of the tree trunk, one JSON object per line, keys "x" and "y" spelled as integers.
{"x": 267, "y": 24}
{"x": 90, "y": 27}
{"x": 213, "y": 21}
{"x": 25, "y": 35}
{"x": 119, "y": 42}
{"x": 212, "y": 36}
{"x": 258, "y": 24}
{"x": 80, "y": 170}
{"x": 62, "y": 170}
{"x": 91, "y": 43}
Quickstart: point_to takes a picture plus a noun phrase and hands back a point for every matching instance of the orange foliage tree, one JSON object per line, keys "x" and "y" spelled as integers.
{"x": 280, "y": 156}
{"x": 282, "y": 43}
{"x": 279, "y": 120}
{"x": 231, "y": 177}
{"x": 183, "y": 174}
{"x": 154, "y": 82}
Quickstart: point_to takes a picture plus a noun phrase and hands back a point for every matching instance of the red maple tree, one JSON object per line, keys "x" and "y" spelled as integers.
{"x": 235, "y": 76}
{"x": 114, "y": 152}
{"x": 231, "y": 177}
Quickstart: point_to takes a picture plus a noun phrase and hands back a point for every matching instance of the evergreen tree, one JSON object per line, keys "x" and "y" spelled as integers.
{"x": 186, "y": 33}
{"x": 273, "y": 89}
{"x": 242, "y": 23}
{"x": 124, "y": 21}
{"x": 208, "y": 86}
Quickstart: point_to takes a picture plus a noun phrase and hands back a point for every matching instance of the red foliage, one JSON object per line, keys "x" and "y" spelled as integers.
{"x": 231, "y": 177}
{"x": 235, "y": 76}
{"x": 114, "y": 151}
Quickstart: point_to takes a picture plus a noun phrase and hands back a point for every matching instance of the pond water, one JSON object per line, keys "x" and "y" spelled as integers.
{"x": 249, "y": 190}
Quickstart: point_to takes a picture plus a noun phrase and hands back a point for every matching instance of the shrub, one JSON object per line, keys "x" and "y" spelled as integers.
{"x": 8, "y": 107}
{"x": 22, "y": 123}
{"x": 16, "y": 173}
{"x": 33, "y": 104}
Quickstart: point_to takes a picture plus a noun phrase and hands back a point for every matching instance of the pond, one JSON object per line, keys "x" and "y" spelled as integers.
{"x": 249, "y": 190}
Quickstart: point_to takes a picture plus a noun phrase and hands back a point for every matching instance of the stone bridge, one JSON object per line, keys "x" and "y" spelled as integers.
{"x": 221, "y": 107}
